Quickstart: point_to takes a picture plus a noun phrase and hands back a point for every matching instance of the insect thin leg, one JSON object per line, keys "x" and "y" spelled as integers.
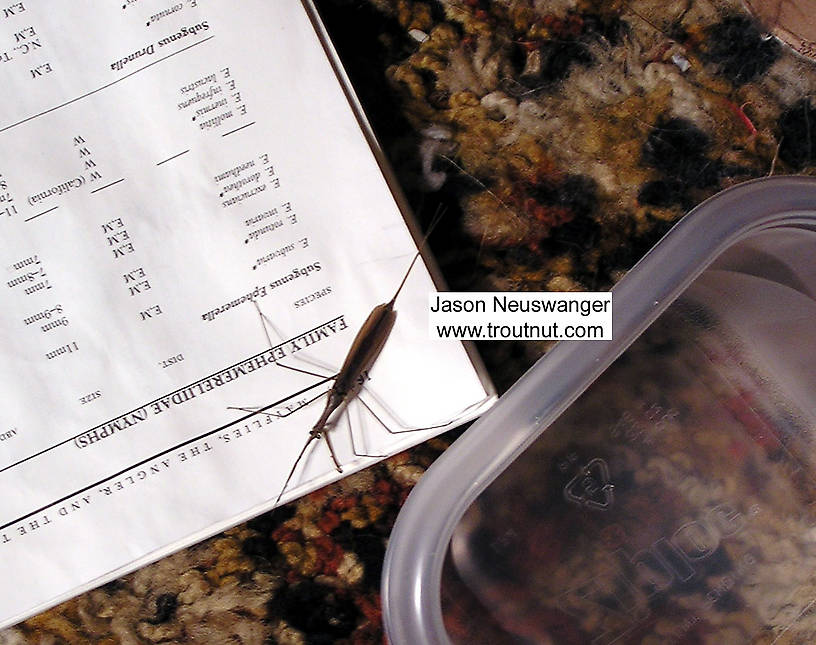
{"x": 331, "y": 450}
{"x": 370, "y": 392}
{"x": 278, "y": 415}
{"x": 391, "y": 430}
{"x": 254, "y": 410}
{"x": 311, "y": 438}
{"x": 351, "y": 435}
{"x": 297, "y": 369}
{"x": 266, "y": 324}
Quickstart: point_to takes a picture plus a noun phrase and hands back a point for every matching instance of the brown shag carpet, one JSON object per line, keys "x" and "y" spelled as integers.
{"x": 563, "y": 138}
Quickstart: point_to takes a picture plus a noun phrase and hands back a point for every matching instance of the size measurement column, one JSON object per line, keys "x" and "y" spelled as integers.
{"x": 167, "y": 171}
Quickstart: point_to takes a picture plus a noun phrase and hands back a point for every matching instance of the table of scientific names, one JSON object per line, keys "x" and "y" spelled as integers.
{"x": 168, "y": 171}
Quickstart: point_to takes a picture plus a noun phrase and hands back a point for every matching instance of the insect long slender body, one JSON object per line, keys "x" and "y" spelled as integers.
{"x": 363, "y": 353}
{"x": 367, "y": 345}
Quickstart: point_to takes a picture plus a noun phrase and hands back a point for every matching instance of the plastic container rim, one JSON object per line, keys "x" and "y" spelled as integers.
{"x": 412, "y": 573}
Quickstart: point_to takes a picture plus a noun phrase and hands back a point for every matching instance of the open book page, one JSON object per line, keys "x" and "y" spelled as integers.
{"x": 162, "y": 166}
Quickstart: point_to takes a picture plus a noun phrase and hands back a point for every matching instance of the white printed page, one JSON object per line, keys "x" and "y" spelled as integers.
{"x": 164, "y": 167}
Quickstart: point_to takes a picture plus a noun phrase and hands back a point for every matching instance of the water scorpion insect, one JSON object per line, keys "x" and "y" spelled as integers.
{"x": 350, "y": 379}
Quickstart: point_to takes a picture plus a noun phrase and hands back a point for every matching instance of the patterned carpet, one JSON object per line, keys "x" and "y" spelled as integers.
{"x": 562, "y": 139}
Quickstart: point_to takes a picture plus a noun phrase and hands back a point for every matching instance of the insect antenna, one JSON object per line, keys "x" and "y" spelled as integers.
{"x": 436, "y": 219}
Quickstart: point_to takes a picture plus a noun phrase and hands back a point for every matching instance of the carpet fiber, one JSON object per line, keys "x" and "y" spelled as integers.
{"x": 561, "y": 139}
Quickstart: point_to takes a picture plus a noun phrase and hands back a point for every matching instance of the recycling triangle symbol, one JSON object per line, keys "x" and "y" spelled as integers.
{"x": 591, "y": 486}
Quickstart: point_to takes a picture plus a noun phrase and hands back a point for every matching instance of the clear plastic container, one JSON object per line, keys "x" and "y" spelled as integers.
{"x": 672, "y": 498}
